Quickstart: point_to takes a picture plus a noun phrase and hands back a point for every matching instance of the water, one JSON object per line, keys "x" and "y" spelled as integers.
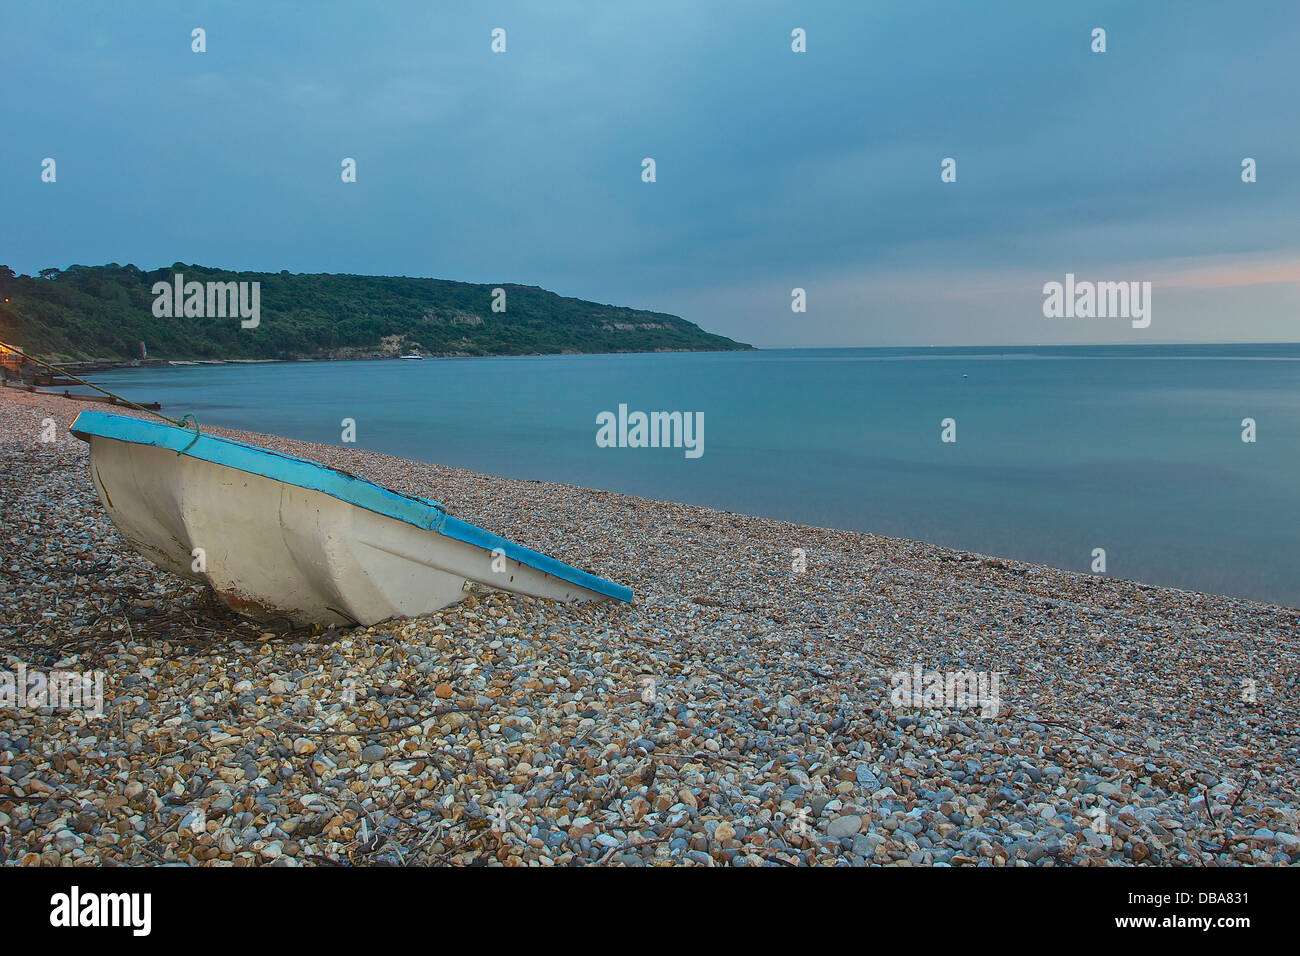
{"x": 1059, "y": 450}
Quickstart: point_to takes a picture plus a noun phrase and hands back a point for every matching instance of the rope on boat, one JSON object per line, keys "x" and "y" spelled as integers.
{"x": 193, "y": 421}
{"x": 117, "y": 398}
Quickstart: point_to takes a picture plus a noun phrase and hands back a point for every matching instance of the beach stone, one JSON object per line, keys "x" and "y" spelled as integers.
{"x": 844, "y": 826}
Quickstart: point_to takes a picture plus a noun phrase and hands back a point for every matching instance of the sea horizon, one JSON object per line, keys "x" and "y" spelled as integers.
{"x": 1136, "y": 346}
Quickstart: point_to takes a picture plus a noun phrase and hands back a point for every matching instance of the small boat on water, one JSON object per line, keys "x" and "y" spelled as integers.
{"x": 418, "y": 358}
{"x": 282, "y": 537}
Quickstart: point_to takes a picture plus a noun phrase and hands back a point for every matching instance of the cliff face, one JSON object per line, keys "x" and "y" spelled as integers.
{"x": 105, "y": 312}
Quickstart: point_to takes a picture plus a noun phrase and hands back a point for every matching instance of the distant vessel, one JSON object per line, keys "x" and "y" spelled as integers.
{"x": 278, "y": 536}
{"x": 418, "y": 358}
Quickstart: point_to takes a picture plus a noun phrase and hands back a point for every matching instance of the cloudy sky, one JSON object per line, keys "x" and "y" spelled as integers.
{"x": 775, "y": 169}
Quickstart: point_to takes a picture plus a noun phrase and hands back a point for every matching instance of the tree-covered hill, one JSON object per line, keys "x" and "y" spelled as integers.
{"x": 94, "y": 313}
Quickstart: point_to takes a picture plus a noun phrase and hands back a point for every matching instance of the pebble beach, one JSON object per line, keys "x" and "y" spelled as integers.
{"x": 737, "y": 713}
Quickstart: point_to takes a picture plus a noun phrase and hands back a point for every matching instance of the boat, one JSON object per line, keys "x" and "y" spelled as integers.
{"x": 414, "y": 356}
{"x": 279, "y": 537}
{"x": 105, "y": 399}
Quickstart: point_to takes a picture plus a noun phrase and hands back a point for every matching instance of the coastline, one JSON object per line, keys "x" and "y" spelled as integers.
{"x": 99, "y": 365}
{"x": 772, "y": 698}
{"x": 105, "y": 365}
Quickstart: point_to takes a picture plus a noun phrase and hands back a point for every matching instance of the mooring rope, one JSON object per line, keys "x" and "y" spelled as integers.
{"x": 117, "y": 398}
{"x": 193, "y": 421}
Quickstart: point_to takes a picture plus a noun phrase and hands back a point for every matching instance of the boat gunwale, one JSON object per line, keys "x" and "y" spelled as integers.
{"x": 344, "y": 486}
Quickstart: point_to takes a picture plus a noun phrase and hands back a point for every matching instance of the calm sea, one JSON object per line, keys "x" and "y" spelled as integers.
{"x": 1059, "y": 450}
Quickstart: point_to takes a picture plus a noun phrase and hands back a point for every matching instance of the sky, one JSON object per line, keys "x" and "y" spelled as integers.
{"x": 774, "y": 170}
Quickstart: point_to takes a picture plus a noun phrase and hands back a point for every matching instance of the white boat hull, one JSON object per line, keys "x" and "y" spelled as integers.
{"x": 270, "y": 549}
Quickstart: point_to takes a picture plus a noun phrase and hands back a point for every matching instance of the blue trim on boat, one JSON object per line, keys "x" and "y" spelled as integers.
{"x": 421, "y": 512}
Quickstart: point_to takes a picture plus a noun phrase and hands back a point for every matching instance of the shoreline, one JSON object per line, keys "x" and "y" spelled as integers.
{"x": 106, "y": 365}
{"x": 99, "y": 365}
{"x": 772, "y": 704}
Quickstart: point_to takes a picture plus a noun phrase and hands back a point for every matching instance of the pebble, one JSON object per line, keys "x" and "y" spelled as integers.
{"x": 844, "y": 826}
